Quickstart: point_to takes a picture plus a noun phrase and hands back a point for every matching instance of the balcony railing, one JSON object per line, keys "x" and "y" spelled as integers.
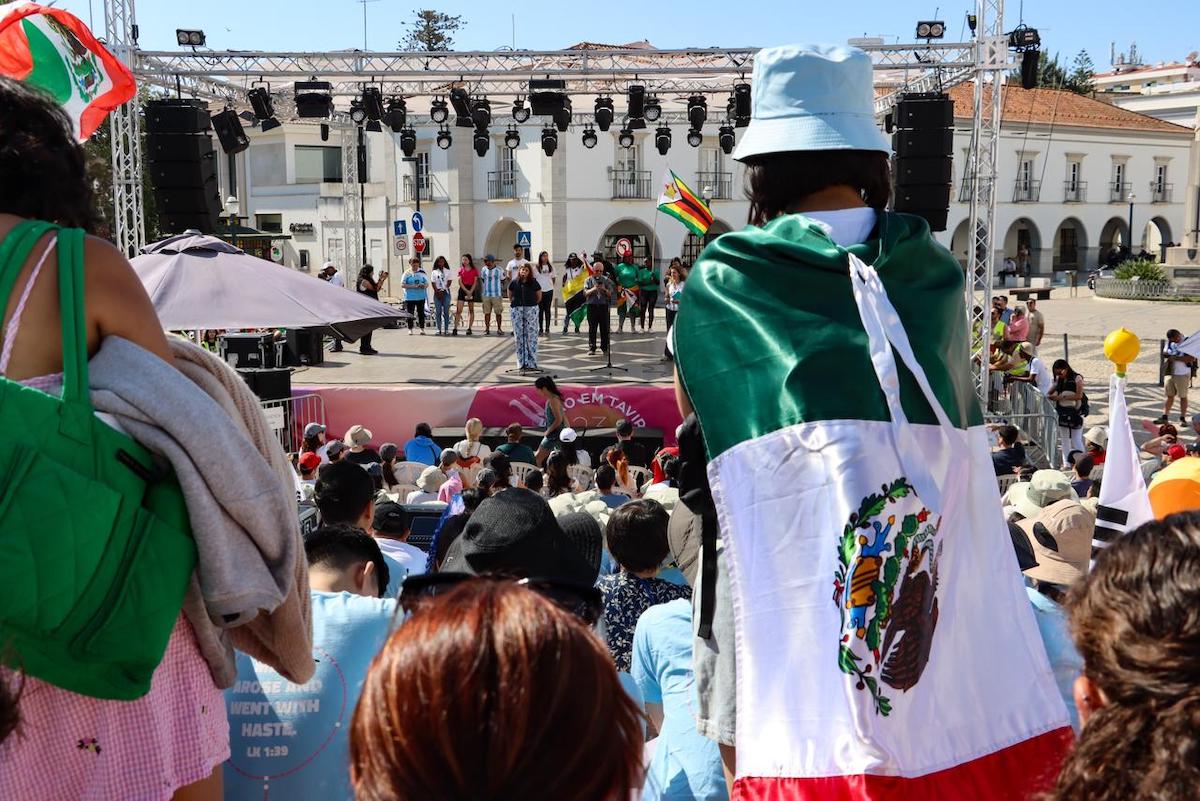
{"x": 721, "y": 184}
{"x": 1074, "y": 191}
{"x": 1026, "y": 191}
{"x": 502, "y": 185}
{"x": 630, "y": 184}
{"x": 1118, "y": 191}
{"x": 1160, "y": 193}
{"x": 425, "y": 186}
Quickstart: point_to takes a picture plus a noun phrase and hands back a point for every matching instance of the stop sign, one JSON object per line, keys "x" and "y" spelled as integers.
{"x": 418, "y": 242}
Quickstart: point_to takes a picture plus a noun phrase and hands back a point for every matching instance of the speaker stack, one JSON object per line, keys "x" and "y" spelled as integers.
{"x": 182, "y": 165}
{"x": 304, "y": 346}
{"x": 270, "y": 383}
{"x": 924, "y": 145}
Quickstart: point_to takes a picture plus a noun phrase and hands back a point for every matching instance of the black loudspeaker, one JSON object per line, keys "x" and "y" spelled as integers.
{"x": 304, "y": 346}
{"x": 271, "y": 383}
{"x": 229, "y": 131}
{"x": 248, "y": 350}
{"x": 1030, "y": 61}
{"x": 924, "y": 145}
{"x": 182, "y": 165}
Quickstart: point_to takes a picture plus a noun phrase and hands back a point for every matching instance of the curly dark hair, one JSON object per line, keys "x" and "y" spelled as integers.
{"x": 1135, "y": 623}
{"x": 44, "y": 167}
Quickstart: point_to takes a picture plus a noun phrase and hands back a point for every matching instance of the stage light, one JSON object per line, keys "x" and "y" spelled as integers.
{"x": 264, "y": 109}
{"x": 481, "y": 141}
{"x": 512, "y": 139}
{"x": 725, "y": 138}
{"x": 520, "y": 111}
{"x": 604, "y": 113}
{"x": 481, "y": 112}
{"x": 625, "y": 138}
{"x": 397, "y": 114}
{"x": 931, "y": 29}
{"x": 741, "y": 105}
{"x": 694, "y": 138}
{"x": 460, "y": 100}
{"x": 662, "y": 139}
{"x": 313, "y": 99}
{"x": 972, "y": 22}
{"x": 1024, "y": 37}
{"x": 549, "y": 141}
{"x": 408, "y": 142}
{"x": 372, "y": 101}
{"x": 589, "y": 137}
{"x": 358, "y": 114}
{"x": 562, "y": 117}
{"x": 652, "y": 110}
{"x": 444, "y": 140}
{"x": 374, "y": 126}
{"x": 637, "y": 101}
{"x": 324, "y": 128}
{"x": 697, "y": 111}
{"x": 438, "y": 111}
{"x": 190, "y": 38}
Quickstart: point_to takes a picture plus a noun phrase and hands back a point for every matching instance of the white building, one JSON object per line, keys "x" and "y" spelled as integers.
{"x": 1169, "y": 92}
{"x": 1069, "y": 165}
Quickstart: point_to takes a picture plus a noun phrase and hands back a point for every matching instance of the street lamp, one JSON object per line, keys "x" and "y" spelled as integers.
{"x": 1130, "y": 198}
{"x": 232, "y": 207}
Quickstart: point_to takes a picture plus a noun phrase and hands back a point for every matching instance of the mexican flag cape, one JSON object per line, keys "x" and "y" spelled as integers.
{"x": 54, "y": 50}
{"x": 885, "y": 646}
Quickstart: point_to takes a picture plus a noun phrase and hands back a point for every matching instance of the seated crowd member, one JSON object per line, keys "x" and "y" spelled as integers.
{"x": 358, "y": 440}
{"x": 499, "y": 464}
{"x": 1095, "y": 441}
{"x": 1011, "y": 456}
{"x": 456, "y": 480}
{"x": 1083, "y": 466}
{"x": 637, "y": 540}
{"x": 470, "y": 450}
{"x": 514, "y": 449}
{"x": 291, "y": 741}
{"x": 308, "y": 464}
{"x": 428, "y": 483}
{"x": 390, "y": 527}
{"x": 421, "y": 448}
{"x": 345, "y": 495}
{"x": 387, "y": 464}
{"x": 635, "y": 452}
{"x": 606, "y": 478}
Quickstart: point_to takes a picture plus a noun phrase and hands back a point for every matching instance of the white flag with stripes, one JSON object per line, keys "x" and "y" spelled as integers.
{"x": 1124, "y": 502}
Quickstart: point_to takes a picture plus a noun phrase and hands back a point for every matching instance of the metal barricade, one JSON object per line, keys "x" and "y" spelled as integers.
{"x": 1030, "y": 411}
{"x": 289, "y": 416}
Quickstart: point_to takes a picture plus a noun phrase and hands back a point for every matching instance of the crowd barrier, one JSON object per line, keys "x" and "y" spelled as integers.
{"x": 1030, "y": 411}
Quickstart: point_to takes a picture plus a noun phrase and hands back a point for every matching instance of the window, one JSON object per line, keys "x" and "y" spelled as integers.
{"x": 1026, "y": 189}
{"x": 1026, "y": 173}
{"x": 1073, "y": 174}
{"x": 317, "y": 164}
{"x": 1160, "y": 178}
{"x": 423, "y": 171}
{"x": 714, "y": 174}
{"x": 629, "y": 159}
{"x": 271, "y": 223}
{"x": 506, "y": 160}
{"x": 335, "y": 250}
{"x": 1074, "y": 187}
{"x": 1119, "y": 175}
{"x": 304, "y": 260}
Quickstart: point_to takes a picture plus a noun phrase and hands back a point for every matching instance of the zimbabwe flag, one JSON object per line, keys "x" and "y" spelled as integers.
{"x": 679, "y": 201}
{"x": 55, "y": 51}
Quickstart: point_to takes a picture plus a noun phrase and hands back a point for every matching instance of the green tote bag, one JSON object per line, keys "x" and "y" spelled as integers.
{"x": 97, "y": 548}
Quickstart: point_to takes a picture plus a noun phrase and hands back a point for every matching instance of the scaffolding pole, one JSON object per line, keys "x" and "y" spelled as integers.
{"x": 129, "y": 225}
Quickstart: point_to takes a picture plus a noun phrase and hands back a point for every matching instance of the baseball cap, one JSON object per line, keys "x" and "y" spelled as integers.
{"x": 390, "y": 518}
{"x": 309, "y": 461}
{"x": 1044, "y": 488}
{"x": 1061, "y": 538}
{"x": 335, "y": 447}
{"x": 514, "y": 532}
{"x": 489, "y": 257}
{"x": 357, "y": 435}
{"x": 312, "y": 429}
{"x": 567, "y": 435}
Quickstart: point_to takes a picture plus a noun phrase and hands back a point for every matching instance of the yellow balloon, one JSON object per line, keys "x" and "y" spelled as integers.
{"x": 1122, "y": 347}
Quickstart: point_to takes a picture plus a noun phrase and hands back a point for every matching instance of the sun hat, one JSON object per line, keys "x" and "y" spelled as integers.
{"x": 431, "y": 479}
{"x": 309, "y": 461}
{"x": 811, "y": 97}
{"x": 1061, "y": 537}
{"x": 312, "y": 429}
{"x": 1044, "y": 488}
{"x": 357, "y": 436}
{"x": 567, "y": 435}
{"x": 1097, "y": 435}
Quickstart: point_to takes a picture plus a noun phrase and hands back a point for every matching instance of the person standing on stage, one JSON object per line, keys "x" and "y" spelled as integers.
{"x": 599, "y": 291}
{"x": 556, "y": 417}
{"x": 674, "y": 290}
{"x": 440, "y": 280}
{"x": 649, "y": 280}
{"x": 544, "y": 274}
{"x": 416, "y": 286}
{"x": 524, "y": 296}
{"x": 468, "y": 292}
{"x": 367, "y": 285}
{"x": 493, "y": 279}
{"x": 574, "y": 307}
{"x": 625, "y": 277}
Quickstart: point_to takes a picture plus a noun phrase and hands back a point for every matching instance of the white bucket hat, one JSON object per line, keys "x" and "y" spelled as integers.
{"x": 811, "y": 97}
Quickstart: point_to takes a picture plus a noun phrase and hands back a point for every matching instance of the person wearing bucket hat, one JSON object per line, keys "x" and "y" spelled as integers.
{"x": 1029, "y": 498}
{"x": 358, "y": 440}
{"x": 1095, "y": 441}
{"x": 428, "y": 483}
{"x": 585, "y": 533}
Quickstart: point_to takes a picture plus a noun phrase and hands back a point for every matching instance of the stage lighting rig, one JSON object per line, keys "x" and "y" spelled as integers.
{"x": 512, "y": 139}
{"x": 562, "y": 117}
{"x": 190, "y": 38}
{"x": 625, "y": 138}
{"x": 697, "y": 111}
{"x": 636, "y": 95}
{"x": 662, "y": 139}
{"x": 358, "y": 114}
{"x": 481, "y": 112}
{"x": 520, "y": 111}
{"x": 725, "y": 138}
{"x": 264, "y": 108}
{"x": 549, "y": 141}
{"x": 589, "y": 137}
{"x": 314, "y": 99}
{"x": 408, "y": 142}
{"x": 931, "y": 29}
{"x": 481, "y": 142}
{"x": 444, "y": 139}
{"x": 604, "y": 113}
{"x": 694, "y": 137}
{"x": 741, "y": 105}
{"x": 439, "y": 112}
{"x": 372, "y": 100}
{"x": 460, "y": 101}
{"x": 397, "y": 114}
{"x": 653, "y": 109}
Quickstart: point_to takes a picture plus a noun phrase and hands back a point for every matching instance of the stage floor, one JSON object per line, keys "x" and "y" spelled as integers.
{"x": 480, "y": 361}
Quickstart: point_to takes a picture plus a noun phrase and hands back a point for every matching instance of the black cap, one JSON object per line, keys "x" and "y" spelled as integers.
{"x": 585, "y": 534}
{"x": 390, "y": 518}
{"x": 515, "y": 532}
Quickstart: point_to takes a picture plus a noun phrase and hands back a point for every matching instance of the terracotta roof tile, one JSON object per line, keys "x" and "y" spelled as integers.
{"x": 1061, "y": 107}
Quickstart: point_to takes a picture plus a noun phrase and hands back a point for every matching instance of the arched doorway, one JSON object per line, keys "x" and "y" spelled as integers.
{"x": 693, "y": 245}
{"x": 1115, "y": 233}
{"x": 1070, "y": 245}
{"x": 1157, "y": 235}
{"x": 500, "y": 240}
{"x": 1023, "y": 243}
{"x": 960, "y": 243}
{"x": 639, "y": 234}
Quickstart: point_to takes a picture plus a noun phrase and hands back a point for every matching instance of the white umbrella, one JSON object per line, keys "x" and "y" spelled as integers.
{"x": 198, "y": 281}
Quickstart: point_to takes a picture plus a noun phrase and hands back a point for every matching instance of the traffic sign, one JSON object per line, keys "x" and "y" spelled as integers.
{"x": 418, "y": 222}
{"x": 400, "y": 228}
{"x": 623, "y": 247}
{"x": 402, "y": 243}
{"x": 418, "y": 242}
{"x": 524, "y": 239}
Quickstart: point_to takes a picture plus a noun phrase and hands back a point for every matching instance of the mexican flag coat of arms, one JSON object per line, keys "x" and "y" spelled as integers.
{"x": 885, "y": 646}
{"x": 55, "y": 51}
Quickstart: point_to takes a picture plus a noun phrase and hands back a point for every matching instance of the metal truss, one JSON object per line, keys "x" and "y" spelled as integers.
{"x": 352, "y": 257}
{"x": 129, "y": 227}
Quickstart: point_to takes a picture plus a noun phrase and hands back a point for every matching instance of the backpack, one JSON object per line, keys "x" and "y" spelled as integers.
{"x": 95, "y": 534}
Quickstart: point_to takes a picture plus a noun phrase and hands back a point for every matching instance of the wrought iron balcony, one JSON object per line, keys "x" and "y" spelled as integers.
{"x": 630, "y": 184}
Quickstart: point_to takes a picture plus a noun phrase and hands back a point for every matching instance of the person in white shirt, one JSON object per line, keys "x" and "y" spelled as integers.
{"x": 440, "y": 279}
{"x": 543, "y": 273}
{"x": 1179, "y": 377}
{"x": 514, "y": 264}
{"x": 390, "y": 526}
{"x": 1039, "y": 374}
{"x": 335, "y": 277}
{"x": 430, "y": 481}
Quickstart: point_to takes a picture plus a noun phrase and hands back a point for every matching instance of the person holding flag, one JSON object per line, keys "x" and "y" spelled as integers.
{"x": 574, "y": 301}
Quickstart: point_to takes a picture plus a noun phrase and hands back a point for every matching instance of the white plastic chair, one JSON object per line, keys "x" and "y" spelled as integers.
{"x": 522, "y": 471}
{"x": 1004, "y": 482}
{"x": 582, "y": 476}
{"x": 408, "y": 472}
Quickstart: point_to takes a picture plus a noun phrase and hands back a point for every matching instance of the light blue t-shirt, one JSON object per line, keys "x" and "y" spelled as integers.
{"x": 686, "y": 764}
{"x": 1065, "y": 661}
{"x": 614, "y": 499}
{"x": 290, "y": 741}
{"x": 414, "y": 285}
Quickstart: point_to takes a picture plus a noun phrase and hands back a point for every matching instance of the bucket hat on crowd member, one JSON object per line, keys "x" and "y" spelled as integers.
{"x": 1061, "y": 538}
{"x": 431, "y": 479}
{"x": 312, "y": 429}
{"x": 1044, "y": 488}
{"x": 811, "y": 97}
{"x": 357, "y": 436}
{"x": 515, "y": 533}
{"x": 1098, "y": 436}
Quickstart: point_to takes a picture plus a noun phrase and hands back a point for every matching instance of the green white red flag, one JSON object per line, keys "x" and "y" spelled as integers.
{"x": 55, "y": 51}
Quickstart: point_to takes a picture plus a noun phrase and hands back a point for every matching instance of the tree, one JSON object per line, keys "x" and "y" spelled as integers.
{"x": 98, "y": 151}
{"x": 1080, "y": 79}
{"x": 1052, "y": 75}
{"x": 430, "y": 31}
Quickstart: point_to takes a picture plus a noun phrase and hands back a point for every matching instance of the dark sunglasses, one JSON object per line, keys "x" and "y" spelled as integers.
{"x": 582, "y": 600}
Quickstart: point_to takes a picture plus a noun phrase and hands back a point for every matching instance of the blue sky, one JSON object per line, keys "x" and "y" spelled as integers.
{"x": 1158, "y": 26}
